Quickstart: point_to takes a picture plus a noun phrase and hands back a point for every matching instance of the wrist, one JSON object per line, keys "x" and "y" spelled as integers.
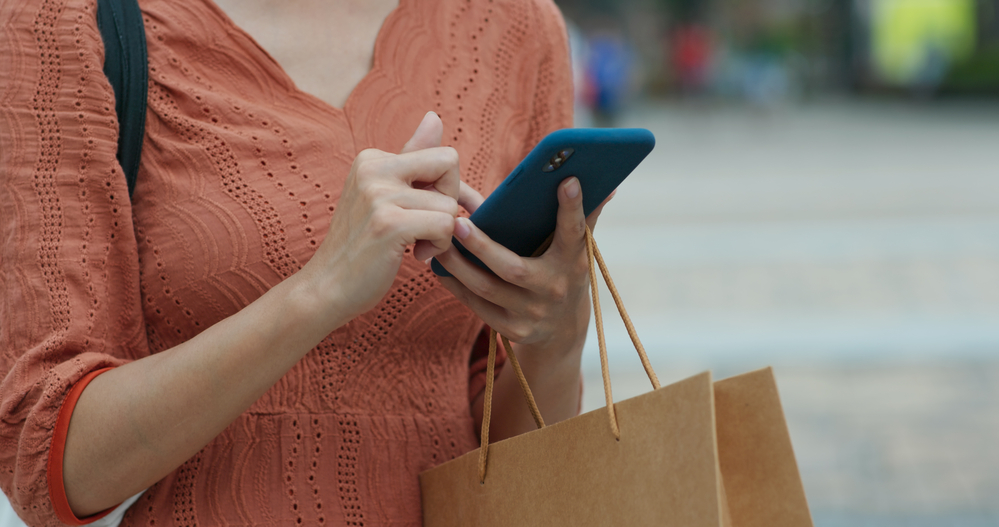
{"x": 569, "y": 338}
{"x": 316, "y": 296}
{"x": 561, "y": 353}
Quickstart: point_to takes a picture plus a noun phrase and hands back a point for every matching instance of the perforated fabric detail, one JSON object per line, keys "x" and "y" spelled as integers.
{"x": 240, "y": 175}
{"x": 503, "y": 60}
{"x": 184, "y": 505}
{"x": 50, "y": 151}
{"x": 68, "y": 264}
{"x": 346, "y": 472}
{"x": 265, "y": 216}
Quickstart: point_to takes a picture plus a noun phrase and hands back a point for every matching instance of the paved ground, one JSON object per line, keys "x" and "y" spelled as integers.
{"x": 855, "y": 246}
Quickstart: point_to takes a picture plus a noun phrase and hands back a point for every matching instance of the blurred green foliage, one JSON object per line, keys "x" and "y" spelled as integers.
{"x": 683, "y": 10}
{"x": 976, "y": 75}
{"x": 777, "y": 40}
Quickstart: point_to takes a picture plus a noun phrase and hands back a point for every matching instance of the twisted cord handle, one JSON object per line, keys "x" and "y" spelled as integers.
{"x": 593, "y": 256}
{"x": 487, "y": 402}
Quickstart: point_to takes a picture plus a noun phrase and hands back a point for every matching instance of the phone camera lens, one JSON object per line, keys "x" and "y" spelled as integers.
{"x": 558, "y": 159}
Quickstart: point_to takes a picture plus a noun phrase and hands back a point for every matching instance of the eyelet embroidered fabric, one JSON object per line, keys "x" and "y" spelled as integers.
{"x": 241, "y": 173}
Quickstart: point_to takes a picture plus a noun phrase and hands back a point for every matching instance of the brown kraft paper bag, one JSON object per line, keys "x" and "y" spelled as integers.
{"x": 694, "y": 453}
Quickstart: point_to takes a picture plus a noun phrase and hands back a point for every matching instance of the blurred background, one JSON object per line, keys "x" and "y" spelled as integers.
{"x": 769, "y": 52}
{"x": 823, "y": 198}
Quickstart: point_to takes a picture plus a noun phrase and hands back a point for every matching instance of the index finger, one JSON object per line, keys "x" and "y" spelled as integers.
{"x": 506, "y": 264}
{"x": 469, "y": 198}
{"x": 431, "y": 166}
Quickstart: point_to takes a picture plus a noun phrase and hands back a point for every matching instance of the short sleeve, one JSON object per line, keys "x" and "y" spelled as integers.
{"x": 69, "y": 268}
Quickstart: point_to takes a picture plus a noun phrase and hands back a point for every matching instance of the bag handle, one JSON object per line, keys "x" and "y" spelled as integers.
{"x": 593, "y": 255}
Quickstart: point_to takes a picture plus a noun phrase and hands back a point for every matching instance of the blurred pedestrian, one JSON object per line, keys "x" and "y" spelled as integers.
{"x": 608, "y": 75}
{"x": 691, "y": 58}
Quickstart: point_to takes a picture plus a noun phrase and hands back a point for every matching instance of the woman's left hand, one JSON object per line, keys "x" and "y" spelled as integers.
{"x": 539, "y": 302}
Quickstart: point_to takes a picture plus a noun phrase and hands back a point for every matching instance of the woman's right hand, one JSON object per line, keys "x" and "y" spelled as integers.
{"x": 135, "y": 424}
{"x": 387, "y": 205}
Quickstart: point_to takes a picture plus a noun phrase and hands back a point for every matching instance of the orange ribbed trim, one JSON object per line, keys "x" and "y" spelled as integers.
{"x": 57, "y": 488}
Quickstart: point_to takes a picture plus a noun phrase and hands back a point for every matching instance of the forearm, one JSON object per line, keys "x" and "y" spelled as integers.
{"x": 137, "y": 423}
{"x": 552, "y": 372}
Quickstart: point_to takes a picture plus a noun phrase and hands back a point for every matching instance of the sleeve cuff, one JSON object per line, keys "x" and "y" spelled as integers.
{"x": 57, "y": 489}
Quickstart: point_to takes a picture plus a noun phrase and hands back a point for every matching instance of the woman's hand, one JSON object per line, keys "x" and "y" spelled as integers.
{"x": 538, "y": 302}
{"x": 389, "y": 202}
{"x": 137, "y": 423}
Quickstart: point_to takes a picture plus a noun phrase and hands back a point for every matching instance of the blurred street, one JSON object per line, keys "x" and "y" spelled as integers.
{"x": 852, "y": 245}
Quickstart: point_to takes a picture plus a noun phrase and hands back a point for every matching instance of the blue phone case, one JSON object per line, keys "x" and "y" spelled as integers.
{"x": 521, "y": 213}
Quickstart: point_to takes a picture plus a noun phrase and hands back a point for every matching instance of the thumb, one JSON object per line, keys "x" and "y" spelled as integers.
{"x": 570, "y": 224}
{"x": 427, "y": 135}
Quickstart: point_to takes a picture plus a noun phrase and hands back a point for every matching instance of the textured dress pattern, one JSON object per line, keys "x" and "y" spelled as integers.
{"x": 240, "y": 175}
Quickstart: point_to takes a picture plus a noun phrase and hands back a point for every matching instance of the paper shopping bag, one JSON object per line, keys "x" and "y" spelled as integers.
{"x": 694, "y": 453}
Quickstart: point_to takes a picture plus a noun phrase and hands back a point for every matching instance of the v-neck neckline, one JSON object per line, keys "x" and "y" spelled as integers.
{"x": 293, "y": 86}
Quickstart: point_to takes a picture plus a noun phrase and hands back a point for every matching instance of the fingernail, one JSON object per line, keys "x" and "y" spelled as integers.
{"x": 462, "y": 228}
{"x": 572, "y": 188}
{"x": 427, "y": 261}
{"x": 428, "y": 117}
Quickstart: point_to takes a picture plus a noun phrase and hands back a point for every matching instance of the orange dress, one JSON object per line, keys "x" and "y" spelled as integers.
{"x": 240, "y": 175}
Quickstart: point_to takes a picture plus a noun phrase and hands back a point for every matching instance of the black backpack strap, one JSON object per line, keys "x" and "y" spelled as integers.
{"x": 126, "y": 67}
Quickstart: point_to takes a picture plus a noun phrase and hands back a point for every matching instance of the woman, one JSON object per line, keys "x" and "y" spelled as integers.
{"x": 248, "y": 340}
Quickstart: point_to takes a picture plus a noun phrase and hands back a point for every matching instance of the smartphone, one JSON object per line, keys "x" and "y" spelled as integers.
{"x": 521, "y": 213}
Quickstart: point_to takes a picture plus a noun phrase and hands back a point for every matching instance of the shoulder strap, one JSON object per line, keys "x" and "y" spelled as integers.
{"x": 126, "y": 67}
